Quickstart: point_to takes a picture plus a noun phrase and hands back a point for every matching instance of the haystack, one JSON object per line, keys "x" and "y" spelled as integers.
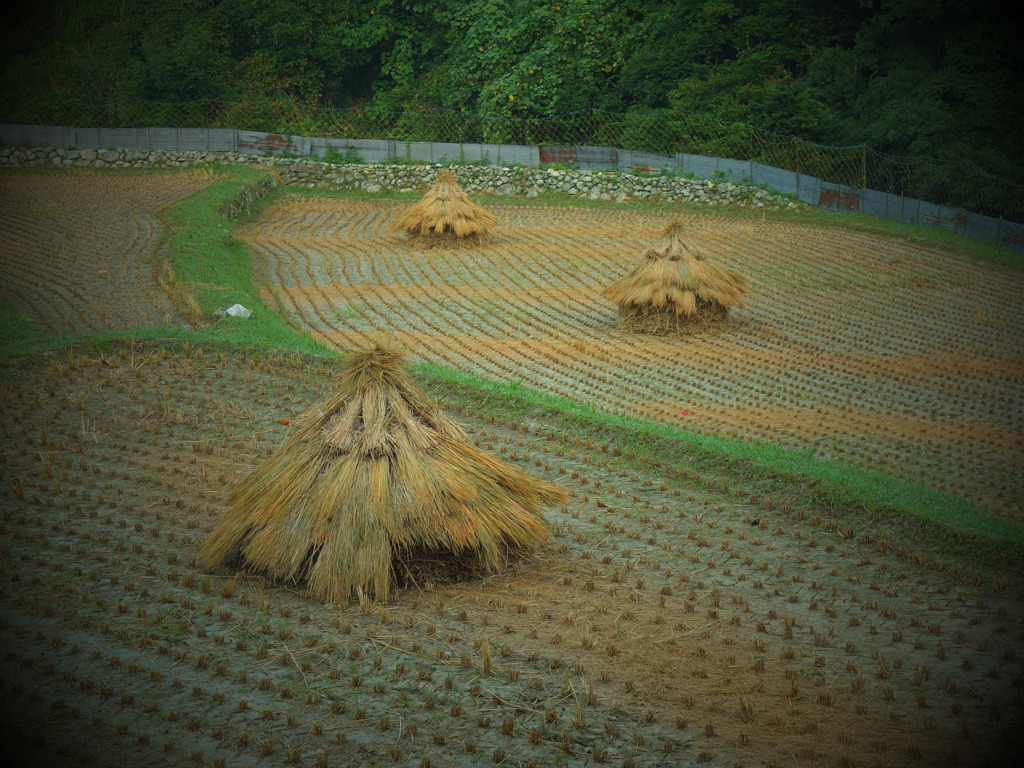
{"x": 445, "y": 215}
{"x": 675, "y": 291}
{"x": 371, "y": 477}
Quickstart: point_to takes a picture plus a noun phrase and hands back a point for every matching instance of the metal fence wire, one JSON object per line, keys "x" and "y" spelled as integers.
{"x": 955, "y": 184}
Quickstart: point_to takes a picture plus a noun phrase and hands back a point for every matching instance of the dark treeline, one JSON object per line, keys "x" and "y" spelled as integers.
{"x": 928, "y": 78}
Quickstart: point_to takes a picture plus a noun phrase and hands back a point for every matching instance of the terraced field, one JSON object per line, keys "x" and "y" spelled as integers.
{"x": 865, "y": 349}
{"x": 689, "y": 610}
{"x": 78, "y": 251}
{"x": 676, "y": 619}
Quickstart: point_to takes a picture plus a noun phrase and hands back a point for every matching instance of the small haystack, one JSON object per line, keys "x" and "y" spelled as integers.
{"x": 372, "y": 480}
{"x": 445, "y": 215}
{"x": 674, "y": 291}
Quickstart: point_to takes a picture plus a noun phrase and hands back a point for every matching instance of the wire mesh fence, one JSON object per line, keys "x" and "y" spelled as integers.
{"x": 955, "y": 184}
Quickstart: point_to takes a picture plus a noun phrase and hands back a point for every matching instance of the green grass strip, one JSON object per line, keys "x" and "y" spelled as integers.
{"x": 218, "y": 270}
{"x": 21, "y": 337}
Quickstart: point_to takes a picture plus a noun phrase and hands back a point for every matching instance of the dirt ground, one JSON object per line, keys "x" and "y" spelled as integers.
{"x": 675, "y": 619}
{"x": 864, "y": 349}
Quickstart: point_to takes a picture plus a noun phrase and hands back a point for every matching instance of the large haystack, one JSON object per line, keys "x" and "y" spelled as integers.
{"x": 445, "y": 215}
{"x": 371, "y": 476}
{"x": 675, "y": 291}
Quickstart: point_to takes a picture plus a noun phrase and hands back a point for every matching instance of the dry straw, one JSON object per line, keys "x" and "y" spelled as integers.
{"x": 675, "y": 290}
{"x": 445, "y": 215}
{"x": 372, "y": 476}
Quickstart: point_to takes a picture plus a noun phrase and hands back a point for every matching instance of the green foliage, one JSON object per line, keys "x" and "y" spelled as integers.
{"x": 754, "y": 91}
{"x": 938, "y": 80}
{"x": 348, "y": 157}
{"x": 523, "y": 58}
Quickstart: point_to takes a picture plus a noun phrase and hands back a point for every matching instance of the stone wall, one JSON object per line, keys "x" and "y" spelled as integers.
{"x": 523, "y": 181}
{"x": 604, "y": 172}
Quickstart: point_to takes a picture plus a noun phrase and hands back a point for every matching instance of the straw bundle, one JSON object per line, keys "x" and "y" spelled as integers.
{"x": 445, "y": 214}
{"x": 674, "y": 290}
{"x": 370, "y": 475}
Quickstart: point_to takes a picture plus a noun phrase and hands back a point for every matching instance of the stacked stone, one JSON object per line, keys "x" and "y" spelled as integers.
{"x": 402, "y": 177}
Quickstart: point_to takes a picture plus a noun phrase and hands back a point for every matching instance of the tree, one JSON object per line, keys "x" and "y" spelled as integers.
{"x": 521, "y": 58}
{"x": 941, "y": 79}
{"x": 908, "y": 77}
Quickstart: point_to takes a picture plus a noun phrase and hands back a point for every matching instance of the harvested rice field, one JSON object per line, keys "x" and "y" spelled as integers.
{"x": 677, "y": 618}
{"x": 858, "y": 348}
{"x": 688, "y": 611}
{"x": 79, "y": 250}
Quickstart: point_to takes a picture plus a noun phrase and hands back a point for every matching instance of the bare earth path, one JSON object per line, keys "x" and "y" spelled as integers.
{"x": 895, "y": 356}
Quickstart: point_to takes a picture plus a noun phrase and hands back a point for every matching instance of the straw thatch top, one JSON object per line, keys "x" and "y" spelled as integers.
{"x": 444, "y": 210}
{"x": 373, "y": 471}
{"x": 675, "y": 277}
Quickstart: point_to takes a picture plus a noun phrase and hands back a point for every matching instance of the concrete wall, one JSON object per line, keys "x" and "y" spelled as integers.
{"x": 811, "y": 190}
